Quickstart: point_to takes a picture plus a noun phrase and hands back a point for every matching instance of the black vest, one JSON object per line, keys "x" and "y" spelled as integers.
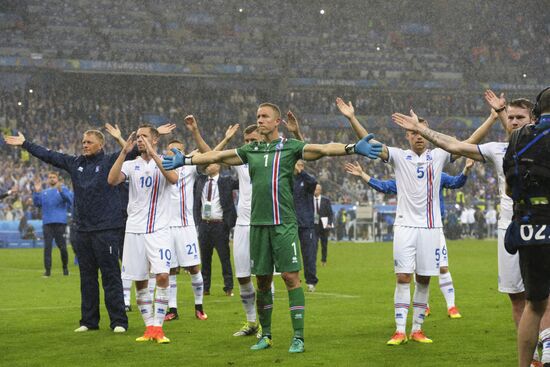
{"x": 527, "y": 174}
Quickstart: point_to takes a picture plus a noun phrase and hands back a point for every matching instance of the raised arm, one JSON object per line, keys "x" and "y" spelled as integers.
{"x": 456, "y": 182}
{"x": 229, "y": 157}
{"x": 56, "y": 159}
{"x": 229, "y": 134}
{"x": 115, "y": 174}
{"x": 309, "y": 181}
{"x": 386, "y": 187}
{"x": 193, "y": 127}
{"x": 114, "y": 131}
{"x": 498, "y": 104}
{"x": 349, "y": 112}
{"x": 171, "y": 176}
{"x": 483, "y": 129}
{"x": 64, "y": 192}
{"x": 446, "y": 142}
{"x": 292, "y": 125}
{"x": 364, "y": 147}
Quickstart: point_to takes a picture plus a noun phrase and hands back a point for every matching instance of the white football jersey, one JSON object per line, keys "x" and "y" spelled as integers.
{"x": 418, "y": 180}
{"x": 181, "y": 198}
{"x": 245, "y": 195}
{"x": 149, "y": 196}
{"x": 494, "y": 153}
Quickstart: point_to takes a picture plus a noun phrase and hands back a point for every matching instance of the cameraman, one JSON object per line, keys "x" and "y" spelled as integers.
{"x": 527, "y": 172}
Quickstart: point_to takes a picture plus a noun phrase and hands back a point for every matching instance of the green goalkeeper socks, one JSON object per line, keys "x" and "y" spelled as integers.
{"x": 264, "y": 302}
{"x": 296, "y": 302}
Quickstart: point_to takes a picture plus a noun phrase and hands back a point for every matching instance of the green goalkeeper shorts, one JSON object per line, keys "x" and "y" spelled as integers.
{"x": 276, "y": 246}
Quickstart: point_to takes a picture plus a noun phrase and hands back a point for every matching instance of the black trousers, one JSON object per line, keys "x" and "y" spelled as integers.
{"x": 99, "y": 250}
{"x": 54, "y": 231}
{"x": 215, "y": 236}
{"x": 308, "y": 245}
{"x": 322, "y": 235}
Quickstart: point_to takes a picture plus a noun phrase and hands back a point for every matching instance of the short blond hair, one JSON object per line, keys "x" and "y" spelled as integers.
{"x": 98, "y": 134}
{"x": 274, "y": 107}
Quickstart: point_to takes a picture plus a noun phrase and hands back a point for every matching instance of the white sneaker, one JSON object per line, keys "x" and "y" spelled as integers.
{"x": 311, "y": 288}
{"x": 119, "y": 329}
{"x": 81, "y": 329}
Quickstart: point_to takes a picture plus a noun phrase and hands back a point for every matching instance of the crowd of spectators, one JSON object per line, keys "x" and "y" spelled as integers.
{"x": 362, "y": 39}
{"x": 55, "y": 117}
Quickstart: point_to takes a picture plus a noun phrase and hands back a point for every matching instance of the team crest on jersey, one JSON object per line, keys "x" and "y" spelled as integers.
{"x": 136, "y": 168}
{"x": 80, "y": 169}
{"x": 428, "y": 156}
{"x": 409, "y": 157}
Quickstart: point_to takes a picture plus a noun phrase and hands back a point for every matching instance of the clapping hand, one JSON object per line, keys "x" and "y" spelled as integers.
{"x": 346, "y": 109}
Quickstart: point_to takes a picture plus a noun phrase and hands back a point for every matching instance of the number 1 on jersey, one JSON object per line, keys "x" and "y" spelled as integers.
{"x": 266, "y": 156}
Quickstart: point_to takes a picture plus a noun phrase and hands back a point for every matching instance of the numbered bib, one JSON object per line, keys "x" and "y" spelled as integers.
{"x": 519, "y": 235}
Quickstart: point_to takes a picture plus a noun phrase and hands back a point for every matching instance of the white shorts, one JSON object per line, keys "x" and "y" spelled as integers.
{"x": 509, "y": 274}
{"x": 186, "y": 245}
{"x": 417, "y": 250}
{"x": 444, "y": 262}
{"x": 146, "y": 253}
{"x": 241, "y": 251}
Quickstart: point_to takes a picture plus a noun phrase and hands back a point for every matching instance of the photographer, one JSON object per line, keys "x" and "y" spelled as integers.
{"x": 527, "y": 174}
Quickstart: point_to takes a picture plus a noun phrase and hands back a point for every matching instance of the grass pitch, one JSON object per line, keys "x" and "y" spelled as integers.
{"x": 348, "y": 320}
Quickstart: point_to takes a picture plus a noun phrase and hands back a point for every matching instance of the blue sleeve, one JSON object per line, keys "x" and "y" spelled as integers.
{"x": 453, "y": 182}
{"x": 387, "y": 186}
{"x": 37, "y": 199}
{"x": 56, "y": 159}
{"x": 67, "y": 196}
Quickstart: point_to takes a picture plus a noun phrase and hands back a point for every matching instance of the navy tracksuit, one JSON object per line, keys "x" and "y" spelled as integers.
{"x": 55, "y": 204}
{"x": 304, "y": 187}
{"x": 100, "y": 225}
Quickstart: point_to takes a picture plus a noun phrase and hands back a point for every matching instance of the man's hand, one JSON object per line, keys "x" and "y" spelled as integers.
{"x": 496, "y": 103}
{"x": 231, "y": 131}
{"x": 346, "y": 109}
{"x": 468, "y": 167}
{"x": 130, "y": 143}
{"x": 365, "y": 148}
{"x": 407, "y": 122}
{"x": 15, "y": 140}
{"x": 166, "y": 128}
{"x": 354, "y": 169}
{"x": 114, "y": 131}
{"x": 191, "y": 123}
{"x": 175, "y": 161}
{"x": 149, "y": 148}
{"x": 291, "y": 123}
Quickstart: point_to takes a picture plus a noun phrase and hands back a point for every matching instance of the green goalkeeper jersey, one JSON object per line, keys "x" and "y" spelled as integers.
{"x": 271, "y": 168}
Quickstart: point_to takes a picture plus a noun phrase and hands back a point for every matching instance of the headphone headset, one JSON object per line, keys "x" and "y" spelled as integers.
{"x": 536, "y": 108}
